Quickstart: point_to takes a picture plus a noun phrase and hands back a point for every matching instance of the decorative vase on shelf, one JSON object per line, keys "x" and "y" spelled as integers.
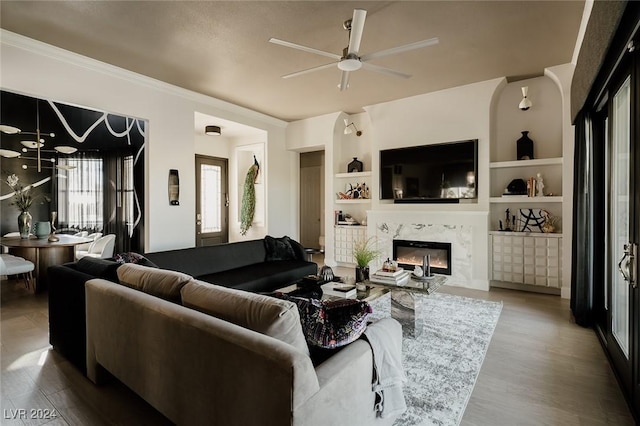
{"x": 354, "y": 166}
{"x": 524, "y": 147}
{"x": 42, "y": 229}
{"x": 24, "y": 224}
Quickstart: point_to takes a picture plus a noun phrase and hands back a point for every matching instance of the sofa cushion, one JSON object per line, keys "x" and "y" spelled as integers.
{"x": 98, "y": 268}
{"x": 262, "y": 277}
{"x": 273, "y": 317}
{"x": 278, "y": 248}
{"x": 157, "y": 282}
{"x": 333, "y": 323}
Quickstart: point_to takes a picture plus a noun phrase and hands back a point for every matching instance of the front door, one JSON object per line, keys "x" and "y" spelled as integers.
{"x": 212, "y": 201}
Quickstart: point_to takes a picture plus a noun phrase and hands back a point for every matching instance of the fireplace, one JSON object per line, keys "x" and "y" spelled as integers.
{"x": 409, "y": 254}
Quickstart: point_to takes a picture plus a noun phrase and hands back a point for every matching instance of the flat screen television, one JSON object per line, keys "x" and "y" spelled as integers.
{"x": 444, "y": 172}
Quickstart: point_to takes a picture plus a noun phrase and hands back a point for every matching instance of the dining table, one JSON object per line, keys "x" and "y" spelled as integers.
{"x": 44, "y": 253}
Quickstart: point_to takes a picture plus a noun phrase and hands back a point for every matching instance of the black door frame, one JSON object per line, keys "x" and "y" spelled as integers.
{"x": 223, "y": 236}
{"x": 622, "y": 59}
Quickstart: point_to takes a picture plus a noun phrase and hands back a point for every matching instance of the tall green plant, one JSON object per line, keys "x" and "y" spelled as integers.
{"x": 364, "y": 251}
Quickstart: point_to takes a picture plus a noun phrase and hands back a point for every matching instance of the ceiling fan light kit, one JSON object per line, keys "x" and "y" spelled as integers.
{"x": 350, "y": 60}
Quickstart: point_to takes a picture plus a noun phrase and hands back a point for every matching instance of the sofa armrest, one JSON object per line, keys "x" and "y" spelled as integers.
{"x": 346, "y": 395}
{"x": 67, "y": 322}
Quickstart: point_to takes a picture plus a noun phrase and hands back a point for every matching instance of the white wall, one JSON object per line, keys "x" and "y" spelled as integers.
{"x": 213, "y": 146}
{"x": 40, "y": 70}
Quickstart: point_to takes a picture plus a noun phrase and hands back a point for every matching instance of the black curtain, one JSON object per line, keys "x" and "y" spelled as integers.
{"x": 583, "y": 230}
{"x": 122, "y": 209}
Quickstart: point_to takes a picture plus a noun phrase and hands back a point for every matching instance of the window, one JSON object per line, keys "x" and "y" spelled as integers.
{"x": 80, "y": 194}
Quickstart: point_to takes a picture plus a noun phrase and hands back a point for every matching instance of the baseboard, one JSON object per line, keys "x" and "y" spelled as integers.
{"x": 526, "y": 287}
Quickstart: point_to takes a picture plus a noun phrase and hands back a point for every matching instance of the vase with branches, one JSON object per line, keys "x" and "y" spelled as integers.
{"x": 23, "y": 199}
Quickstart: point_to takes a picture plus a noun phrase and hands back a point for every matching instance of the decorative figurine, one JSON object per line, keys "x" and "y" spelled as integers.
{"x": 507, "y": 220}
{"x": 539, "y": 186}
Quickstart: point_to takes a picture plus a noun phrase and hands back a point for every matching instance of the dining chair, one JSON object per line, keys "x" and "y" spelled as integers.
{"x": 84, "y": 248}
{"x": 9, "y": 235}
{"x": 101, "y": 248}
{"x": 14, "y": 265}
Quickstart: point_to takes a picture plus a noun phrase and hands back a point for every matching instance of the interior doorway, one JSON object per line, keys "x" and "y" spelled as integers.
{"x": 212, "y": 201}
{"x": 312, "y": 199}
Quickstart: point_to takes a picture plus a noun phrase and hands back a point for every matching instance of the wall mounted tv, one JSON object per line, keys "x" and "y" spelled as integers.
{"x": 437, "y": 173}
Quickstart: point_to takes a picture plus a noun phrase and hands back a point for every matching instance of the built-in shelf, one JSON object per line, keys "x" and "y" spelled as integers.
{"x": 528, "y": 200}
{"x": 354, "y": 201}
{"x": 353, "y": 175}
{"x": 526, "y": 163}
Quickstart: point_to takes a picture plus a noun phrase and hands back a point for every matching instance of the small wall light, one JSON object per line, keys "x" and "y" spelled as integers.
{"x": 525, "y": 103}
{"x": 212, "y": 130}
{"x": 347, "y": 129}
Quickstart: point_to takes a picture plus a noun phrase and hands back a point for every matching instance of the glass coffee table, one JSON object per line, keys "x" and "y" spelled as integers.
{"x": 405, "y": 298}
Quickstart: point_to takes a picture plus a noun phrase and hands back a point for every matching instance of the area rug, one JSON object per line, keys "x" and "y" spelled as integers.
{"x": 443, "y": 362}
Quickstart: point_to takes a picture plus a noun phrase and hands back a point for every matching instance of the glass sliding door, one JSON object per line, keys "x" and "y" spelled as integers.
{"x": 619, "y": 212}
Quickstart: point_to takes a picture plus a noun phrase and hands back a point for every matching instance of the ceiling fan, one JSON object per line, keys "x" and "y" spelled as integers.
{"x": 351, "y": 59}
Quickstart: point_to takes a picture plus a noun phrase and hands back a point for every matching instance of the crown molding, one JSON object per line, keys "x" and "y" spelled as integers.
{"x": 9, "y": 38}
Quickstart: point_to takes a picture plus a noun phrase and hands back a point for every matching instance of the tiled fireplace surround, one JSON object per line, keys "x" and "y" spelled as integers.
{"x": 466, "y": 231}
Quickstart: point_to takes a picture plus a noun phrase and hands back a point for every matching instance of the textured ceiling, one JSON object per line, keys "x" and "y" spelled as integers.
{"x": 221, "y": 49}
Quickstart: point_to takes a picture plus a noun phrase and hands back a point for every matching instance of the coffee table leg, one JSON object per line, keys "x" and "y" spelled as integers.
{"x": 403, "y": 309}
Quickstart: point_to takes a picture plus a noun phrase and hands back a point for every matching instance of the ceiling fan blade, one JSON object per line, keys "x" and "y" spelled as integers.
{"x": 318, "y": 68}
{"x": 400, "y": 49}
{"x": 357, "y": 27}
{"x": 384, "y": 70}
{"x": 303, "y": 48}
{"x": 344, "y": 81}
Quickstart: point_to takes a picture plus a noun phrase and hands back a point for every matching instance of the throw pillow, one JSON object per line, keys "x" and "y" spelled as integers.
{"x": 99, "y": 268}
{"x": 263, "y": 314}
{"x": 297, "y": 249}
{"x": 331, "y": 324}
{"x": 161, "y": 283}
{"x": 131, "y": 257}
{"x": 278, "y": 249}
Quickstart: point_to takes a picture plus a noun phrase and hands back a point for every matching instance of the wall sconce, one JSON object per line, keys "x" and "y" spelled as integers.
{"x": 525, "y": 103}
{"x": 347, "y": 128}
{"x": 212, "y": 131}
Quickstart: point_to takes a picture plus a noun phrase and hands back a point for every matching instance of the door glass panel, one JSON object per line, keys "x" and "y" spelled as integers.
{"x": 619, "y": 212}
{"x": 211, "y": 198}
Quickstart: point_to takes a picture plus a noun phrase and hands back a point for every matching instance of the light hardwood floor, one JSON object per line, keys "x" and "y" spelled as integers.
{"x": 540, "y": 369}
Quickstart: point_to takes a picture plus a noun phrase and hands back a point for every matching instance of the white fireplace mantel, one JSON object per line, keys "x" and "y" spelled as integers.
{"x": 467, "y": 231}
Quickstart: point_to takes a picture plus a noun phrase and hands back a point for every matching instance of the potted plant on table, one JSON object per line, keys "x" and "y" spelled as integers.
{"x": 364, "y": 252}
